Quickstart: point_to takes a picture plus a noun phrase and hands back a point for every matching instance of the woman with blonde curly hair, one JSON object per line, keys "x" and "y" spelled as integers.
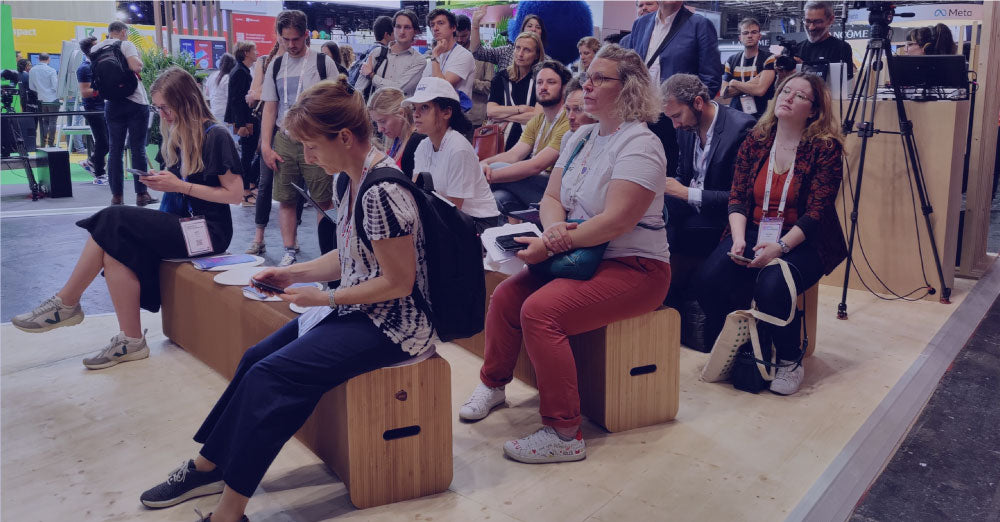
{"x": 605, "y": 192}
{"x": 782, "y": 204}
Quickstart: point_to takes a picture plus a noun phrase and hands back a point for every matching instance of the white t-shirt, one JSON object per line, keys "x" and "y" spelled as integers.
{"x": 217, "y": 94}
{"x": 458, "y": 61}
{"x": 128, "y": 49}
{"x": 295, "y": 76}
{"x": 633, "y": 154}
{"x": 456, "y": 173}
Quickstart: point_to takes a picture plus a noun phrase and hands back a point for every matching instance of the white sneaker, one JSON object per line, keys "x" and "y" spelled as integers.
{"x": 52, "y": 313}
{"x": 787, "y": 379}
{"x": 544, "y": 446}
{"x": 120, "y": 349}
{"x": 288, "y": 258}
{"x": 482, "y": 400}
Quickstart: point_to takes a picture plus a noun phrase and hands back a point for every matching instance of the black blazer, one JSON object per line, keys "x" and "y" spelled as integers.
{"x": 731, "y": 128}
{"x": 237, "y": 110}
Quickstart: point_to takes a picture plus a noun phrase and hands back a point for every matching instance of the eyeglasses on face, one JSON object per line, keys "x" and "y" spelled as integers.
{"x": 798, "y": 95}
{"x": 596, "y": 78}
{"x": 160, "y": 109}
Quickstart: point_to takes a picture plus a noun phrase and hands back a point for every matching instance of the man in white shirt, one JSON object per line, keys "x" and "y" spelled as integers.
{"x": 297, "y": 70}
{"x": 401, "y": 66}
{"x": 519, "y": 176}
{"x": 449, "y": 60}
{"x": 44, "y": 80}
{"x": 128, "y": 117}
{"x": 696, "y": 198}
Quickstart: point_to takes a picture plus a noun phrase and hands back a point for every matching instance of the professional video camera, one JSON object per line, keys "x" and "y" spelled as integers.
{"x": 791, "y": 46}
{"x": 880, "y": 15}
{"x": 7, "y": 92}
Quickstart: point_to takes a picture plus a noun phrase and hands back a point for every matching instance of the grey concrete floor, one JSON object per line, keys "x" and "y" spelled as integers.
{"x": 38, "y": 252}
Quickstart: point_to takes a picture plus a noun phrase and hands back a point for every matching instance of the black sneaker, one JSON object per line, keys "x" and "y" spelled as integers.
{"x": 183, "y": 483}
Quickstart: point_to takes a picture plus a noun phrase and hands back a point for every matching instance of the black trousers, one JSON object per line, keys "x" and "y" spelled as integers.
{"x": 99, "y": 131}
{"x": 723, "y": 286}
{"x": 248, "y": 150}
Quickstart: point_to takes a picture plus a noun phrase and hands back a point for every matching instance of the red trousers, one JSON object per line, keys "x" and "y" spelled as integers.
{"x": 545, "y": 312}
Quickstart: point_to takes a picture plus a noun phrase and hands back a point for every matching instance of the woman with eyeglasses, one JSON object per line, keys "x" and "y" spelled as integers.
{"x": 936, "y": 39}
{"x": 395, "y": 122}
{"x": 782, "y": 204}
{"x": 371, "y": 320}
{"x": 126, "y": 244}
{"x": 606, "y": 189}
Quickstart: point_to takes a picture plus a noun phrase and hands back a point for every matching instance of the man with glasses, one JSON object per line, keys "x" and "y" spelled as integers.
{"x": 822, "y": 46}
{"x": 519, "y": 176}
{"x": 400, "y": 66}
{"x": 286, "y": 78}
{"x": 748, "y": 79}
{"x": 126, "y": 118}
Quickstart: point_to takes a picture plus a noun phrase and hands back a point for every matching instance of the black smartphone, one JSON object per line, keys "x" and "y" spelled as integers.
{"x": 137, "y": 172}
{"x": 530, "y": 215}
{"x": 739, "y": 258}
{"x": 507, "y": 243}
{"x": 266, "y": 287}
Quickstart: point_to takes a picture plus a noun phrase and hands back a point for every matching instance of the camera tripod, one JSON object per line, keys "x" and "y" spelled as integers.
{"x": 12, "y": 131}
{"x": 879, "y": 46}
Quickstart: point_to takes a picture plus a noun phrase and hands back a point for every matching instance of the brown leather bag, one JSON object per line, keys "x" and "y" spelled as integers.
{"x": 488, "y": 140}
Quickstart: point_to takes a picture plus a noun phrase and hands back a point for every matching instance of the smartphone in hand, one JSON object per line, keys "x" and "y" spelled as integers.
{"x": 738, "y": 257}
{"x": 266, "y": 287}
{"x": 137, "y": 172}
{"x": 507, "y": 243}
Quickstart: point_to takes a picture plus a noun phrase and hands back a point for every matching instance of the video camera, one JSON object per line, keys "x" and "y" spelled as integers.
{"x": 7, "y": 92}
{"x": 791, "y": 46}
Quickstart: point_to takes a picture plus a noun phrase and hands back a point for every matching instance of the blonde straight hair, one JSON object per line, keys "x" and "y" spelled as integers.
{"x": 389, "y": 101}
{"x": 184, "y": 99}
{"x": 539, "y": 56}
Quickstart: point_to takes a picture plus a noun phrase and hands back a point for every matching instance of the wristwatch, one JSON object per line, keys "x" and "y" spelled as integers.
{"x": 434, "y": 58}
{"x": 781, "y": 243}
{"x": 333, "y": 301}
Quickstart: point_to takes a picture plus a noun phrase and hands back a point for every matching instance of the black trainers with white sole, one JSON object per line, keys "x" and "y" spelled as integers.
{"x": 184, "y": 483}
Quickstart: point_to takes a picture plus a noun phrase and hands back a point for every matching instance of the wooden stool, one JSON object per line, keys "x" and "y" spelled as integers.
{"x": 387, "y": 433}
{"x": 811, "y": 299}
{"x": 628, "y": 373}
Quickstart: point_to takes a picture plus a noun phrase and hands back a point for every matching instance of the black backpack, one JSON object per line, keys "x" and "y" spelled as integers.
{"x": 454, "y": 256}
{"x": 113, "y": 80}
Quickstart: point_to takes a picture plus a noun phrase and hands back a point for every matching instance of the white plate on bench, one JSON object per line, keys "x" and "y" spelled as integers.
{"x": 239, "y": 276}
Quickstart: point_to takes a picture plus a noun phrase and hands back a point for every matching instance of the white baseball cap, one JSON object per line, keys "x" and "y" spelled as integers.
{"x": 432, "y": 87}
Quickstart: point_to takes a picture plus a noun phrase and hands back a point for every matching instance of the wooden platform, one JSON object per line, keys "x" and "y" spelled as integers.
{"x": 82, "y": 445}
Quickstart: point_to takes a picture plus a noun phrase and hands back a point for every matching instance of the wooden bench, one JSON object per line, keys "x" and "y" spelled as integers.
{"x": 628, "y": 372}
{"x": 387, "y": 433}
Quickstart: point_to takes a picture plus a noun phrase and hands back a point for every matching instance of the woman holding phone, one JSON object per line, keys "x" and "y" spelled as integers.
{"x": 128, "y": 243}
{"x": 371, "y": 320}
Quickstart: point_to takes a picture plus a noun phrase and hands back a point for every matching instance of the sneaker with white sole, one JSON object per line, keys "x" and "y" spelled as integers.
{"x": 287, "y": 259}
{"x": 481, "y": 402}
{"x": 52, "y": 313}
{"x": 120, "y": 349}
{"x": 787, "y": 378}
{"x": 544, "y": 446}
{"x": 184, "y": 483}
{"x": 100, "y": 180}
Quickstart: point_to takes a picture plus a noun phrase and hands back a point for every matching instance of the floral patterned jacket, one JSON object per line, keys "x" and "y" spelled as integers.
{"x": 819, "y": 163}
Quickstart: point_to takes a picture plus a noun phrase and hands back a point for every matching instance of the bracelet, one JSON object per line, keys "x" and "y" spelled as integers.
{"x": 190, "y": 188}
{"x": 333, "y": 300}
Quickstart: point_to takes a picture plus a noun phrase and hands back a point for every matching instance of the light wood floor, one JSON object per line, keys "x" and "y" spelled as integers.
{"x": 82, "y": 445}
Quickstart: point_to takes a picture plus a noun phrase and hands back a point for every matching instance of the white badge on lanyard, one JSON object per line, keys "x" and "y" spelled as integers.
{"x": 747, "y": 103}
{"x": 770, "y": 227}
{"x": 196, "y": 238}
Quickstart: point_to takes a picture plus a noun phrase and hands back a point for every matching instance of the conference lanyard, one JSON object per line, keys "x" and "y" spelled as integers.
{"x": 302, "y": 71}
{"x": 544, "y": 134}
{"x": 753, "y": 67}
{"x": 370, "y": 162}
{"x": 510, "y": 92}
{"x": 767, "y": 187}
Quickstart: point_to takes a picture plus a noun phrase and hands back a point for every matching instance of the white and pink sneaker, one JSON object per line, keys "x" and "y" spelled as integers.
{"x": 544, "y": 446}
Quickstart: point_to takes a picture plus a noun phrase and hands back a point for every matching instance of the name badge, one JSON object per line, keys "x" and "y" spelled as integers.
{"x": 770, "y": 230}
{"x": 196, "y": 238}
{"x": 749, "y": 104}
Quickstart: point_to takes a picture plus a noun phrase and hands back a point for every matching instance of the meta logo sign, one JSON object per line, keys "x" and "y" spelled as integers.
{"x": 943, "y": 13}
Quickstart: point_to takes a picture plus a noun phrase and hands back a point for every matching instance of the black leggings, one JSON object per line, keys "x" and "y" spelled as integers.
{"x": 723, "y": 286}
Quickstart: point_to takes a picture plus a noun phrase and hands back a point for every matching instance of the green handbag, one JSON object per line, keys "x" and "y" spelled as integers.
{"x": 579, "y": 264}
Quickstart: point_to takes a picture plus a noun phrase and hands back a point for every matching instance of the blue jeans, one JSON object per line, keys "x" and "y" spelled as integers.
{"x": 520, "y": 194}
{"x": 126, "y": 117}
{"x": 277, "y": 385}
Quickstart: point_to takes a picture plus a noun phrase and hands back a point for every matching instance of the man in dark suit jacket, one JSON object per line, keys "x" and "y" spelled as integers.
{"x": 239, "y": 113}
{"x": 674, "y": 40}
{"x": 697, "y": 196}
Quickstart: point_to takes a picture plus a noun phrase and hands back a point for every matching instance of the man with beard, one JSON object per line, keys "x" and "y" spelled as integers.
{"x": 518, "y": 177}
{"x": 696, "y": 199}
{"x": 821, "y": 45}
